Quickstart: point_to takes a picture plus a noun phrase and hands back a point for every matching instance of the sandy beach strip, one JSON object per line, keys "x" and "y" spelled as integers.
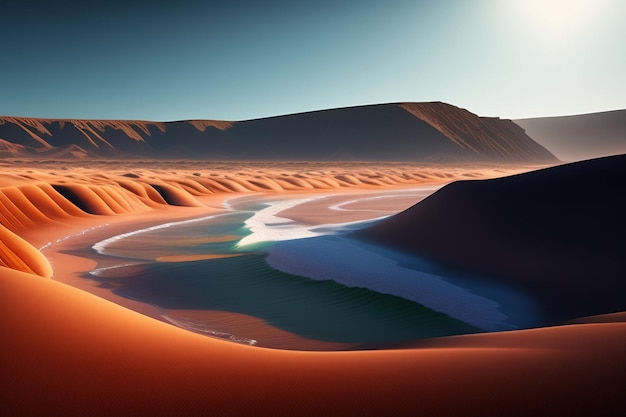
{"x": 68, "y": 352}
{"x": 357, "y": 206}
{"x": 80, "y": 352}
{"x": 78, "y": 245}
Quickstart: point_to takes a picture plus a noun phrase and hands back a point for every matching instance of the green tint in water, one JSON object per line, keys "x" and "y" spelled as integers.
{"x": 321, "y": 310}
{"x": 215, "y": 235}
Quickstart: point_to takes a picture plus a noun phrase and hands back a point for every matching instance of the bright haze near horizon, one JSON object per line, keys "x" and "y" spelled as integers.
{"x": 239, "y": 60}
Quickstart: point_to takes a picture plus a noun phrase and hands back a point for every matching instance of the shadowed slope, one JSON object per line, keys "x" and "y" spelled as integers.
{"x": 574, "y": 138}
{"x": 387, "y": 132}
{"x": 85, "y": 356}
{"x": 31, "y": 198}
{"x": 557, "y": 234}
{"x": 69, "y": 353}
{"x": 488, "y": 137}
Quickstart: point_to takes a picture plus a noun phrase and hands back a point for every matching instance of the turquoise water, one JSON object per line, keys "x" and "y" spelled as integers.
{"x": 321, "y": 310}
{"x": 184, "y": 238}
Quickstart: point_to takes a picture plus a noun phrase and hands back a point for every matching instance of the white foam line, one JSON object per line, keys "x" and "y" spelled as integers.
{"x": 81, "y": 233}
{"x": 227, "y": 203}
{"x": 198, "y": 326}
{"x": 338, "y": 206}
{"x": 100, "y": 246}
{"x": 334, "y": 258}
{"x": 266, "y": 226}
{"x": 404, "y": 193}
{"x": 98, "y": 271}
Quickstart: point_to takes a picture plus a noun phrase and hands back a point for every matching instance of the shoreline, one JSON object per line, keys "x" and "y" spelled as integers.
{"x": 89, "y": 245}
{"x": 68, "y": 352}
{"x": 340, "y": 260}
{"x": 75, "y": 255}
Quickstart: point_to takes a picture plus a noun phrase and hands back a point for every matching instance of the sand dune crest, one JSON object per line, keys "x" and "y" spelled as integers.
{"x": 39, "y": 199}
{"x": 67, "y": 352}
{"x": 17, "y": 254}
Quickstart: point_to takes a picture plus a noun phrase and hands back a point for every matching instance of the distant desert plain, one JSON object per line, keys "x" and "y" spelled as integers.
{"x": 397, "y": 259}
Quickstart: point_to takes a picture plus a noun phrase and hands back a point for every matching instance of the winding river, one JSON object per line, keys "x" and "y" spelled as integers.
{"x": 260, "y": 276}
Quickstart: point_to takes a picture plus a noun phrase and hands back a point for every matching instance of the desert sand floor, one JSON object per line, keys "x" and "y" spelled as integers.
{"x": 68, "y": 352}
{"x": 128, "y": 251}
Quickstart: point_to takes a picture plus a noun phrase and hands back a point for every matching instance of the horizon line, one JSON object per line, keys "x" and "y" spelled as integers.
{"x": 304, "y": 112}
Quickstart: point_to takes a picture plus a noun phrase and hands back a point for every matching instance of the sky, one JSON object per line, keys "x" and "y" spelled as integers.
{"x": 244, "y": 59}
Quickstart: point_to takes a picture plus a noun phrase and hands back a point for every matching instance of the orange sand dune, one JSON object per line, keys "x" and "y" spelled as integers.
{"x": 17, "y": 254}
{"x": 67, "y": 352}
{"x": 30, "y": 197}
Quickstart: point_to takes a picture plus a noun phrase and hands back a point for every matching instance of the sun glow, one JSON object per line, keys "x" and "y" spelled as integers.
{"x": 559, "y": 12}
{"x": 560, "y": 18}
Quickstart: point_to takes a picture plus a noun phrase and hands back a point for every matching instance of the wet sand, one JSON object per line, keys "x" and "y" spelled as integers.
{"x": 357, "y": 324}
{"x": 67, "y": 352}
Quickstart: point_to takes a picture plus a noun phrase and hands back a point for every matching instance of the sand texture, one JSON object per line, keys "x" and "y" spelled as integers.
{"x": 67, "y": 352}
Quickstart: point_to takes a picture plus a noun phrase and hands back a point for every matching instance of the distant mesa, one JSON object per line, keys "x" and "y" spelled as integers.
{"x": 423, "y": 132}
{"x": 557, "y": 234}
{"x": 16, "y": 150}
{"x": 9, "y": 149}
{"x": 575, "y": 138}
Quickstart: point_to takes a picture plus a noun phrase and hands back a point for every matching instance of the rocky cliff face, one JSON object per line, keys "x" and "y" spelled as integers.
{"x": 435, "y": 132}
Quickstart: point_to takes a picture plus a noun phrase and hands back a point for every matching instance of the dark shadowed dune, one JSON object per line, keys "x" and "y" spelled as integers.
{"x": 427, "y": 132}
{"x": 558, "y": 234}
{"x": 66, "y": 352}
{"x": 586, "y": 136}
{"x": 76, "y": 199}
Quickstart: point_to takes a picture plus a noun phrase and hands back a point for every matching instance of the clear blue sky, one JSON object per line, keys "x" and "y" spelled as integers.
{"x": 238, "y": 60}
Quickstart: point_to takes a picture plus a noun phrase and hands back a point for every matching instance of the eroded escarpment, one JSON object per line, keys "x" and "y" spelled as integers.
{"x": 426, "y": 132}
